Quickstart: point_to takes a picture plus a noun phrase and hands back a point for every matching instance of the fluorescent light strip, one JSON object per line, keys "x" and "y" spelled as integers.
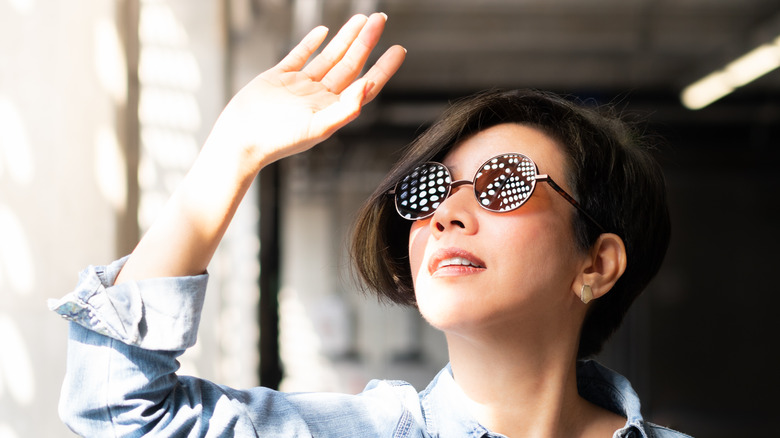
{"x": 743, "y": 70}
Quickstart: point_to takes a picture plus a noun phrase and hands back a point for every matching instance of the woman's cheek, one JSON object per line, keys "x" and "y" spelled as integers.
{"x": 418, "y": 238}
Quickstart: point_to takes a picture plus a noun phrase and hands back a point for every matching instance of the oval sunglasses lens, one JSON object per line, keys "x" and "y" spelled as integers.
{"x": 418, "y": 194}
{"x": 505, "y": 182}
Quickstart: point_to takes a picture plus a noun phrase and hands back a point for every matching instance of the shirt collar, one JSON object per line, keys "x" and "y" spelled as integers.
{"x": 445, "y": 406}
{"x": 608, "y": 389}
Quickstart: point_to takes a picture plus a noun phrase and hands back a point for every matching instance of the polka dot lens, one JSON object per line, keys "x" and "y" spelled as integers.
{"x": 505, "y": 182}
{"x": 420, "y": 192}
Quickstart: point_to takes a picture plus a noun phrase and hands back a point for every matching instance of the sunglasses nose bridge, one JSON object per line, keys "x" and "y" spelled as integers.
{"x": 461, "y": 182}
{"x": 456, "y": 184}
{"x": 453, "y": 189}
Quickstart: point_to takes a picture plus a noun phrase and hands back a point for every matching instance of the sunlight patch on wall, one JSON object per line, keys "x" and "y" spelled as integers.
{"x": 166, "y": 66}
{"x": 23, "y": 7}
{"x": 110, "y": 168}
{"x": 168, "y": 109}
{"x": 15, "y": 365}
{"x": 110, "y": 60}
{"x": 16, "y": 261}
{"x": 7, "y": 432}
{"x": 159, "y": 25}
{"x": 15, "y": 155}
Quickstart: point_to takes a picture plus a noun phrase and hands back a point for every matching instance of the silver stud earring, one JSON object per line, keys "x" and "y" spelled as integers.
{"x": 586, "y": 294}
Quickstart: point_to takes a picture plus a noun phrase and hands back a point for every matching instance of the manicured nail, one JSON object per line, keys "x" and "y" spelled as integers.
{"x": 384, "y": 15}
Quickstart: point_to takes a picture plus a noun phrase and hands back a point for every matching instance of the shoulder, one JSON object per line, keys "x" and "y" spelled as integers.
{"x": 394, "y": 393}
{"x": 400, "y": 401}
{"x": 384, "y": 408}
{"x": 656, "y": 431}
{"x": 610, "y": 390}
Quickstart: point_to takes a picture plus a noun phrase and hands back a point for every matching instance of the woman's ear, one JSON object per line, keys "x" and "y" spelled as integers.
{"x": 603, "y": 266}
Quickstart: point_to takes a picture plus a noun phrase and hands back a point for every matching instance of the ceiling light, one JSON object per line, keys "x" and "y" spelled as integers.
{"x": 741, "y": 71}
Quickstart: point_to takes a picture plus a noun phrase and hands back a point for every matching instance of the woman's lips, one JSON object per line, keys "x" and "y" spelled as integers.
{"x": 455, "y": 261}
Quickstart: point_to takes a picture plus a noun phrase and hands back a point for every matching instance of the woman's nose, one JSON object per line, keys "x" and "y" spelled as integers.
{"x": 456, "y": 213}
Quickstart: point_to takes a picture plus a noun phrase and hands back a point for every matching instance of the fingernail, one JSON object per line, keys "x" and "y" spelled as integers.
{"x": 384, "y": 15}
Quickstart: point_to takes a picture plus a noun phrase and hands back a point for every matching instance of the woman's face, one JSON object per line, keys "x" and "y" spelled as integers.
{"x": 474, "y": 269}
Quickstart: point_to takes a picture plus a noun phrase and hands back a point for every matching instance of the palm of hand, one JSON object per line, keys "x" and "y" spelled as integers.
{"x": 287, "y": 109}
{"x": 290, "y": 108}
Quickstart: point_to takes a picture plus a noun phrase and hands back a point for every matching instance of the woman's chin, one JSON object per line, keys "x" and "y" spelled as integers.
{"x": 450, "y": 314}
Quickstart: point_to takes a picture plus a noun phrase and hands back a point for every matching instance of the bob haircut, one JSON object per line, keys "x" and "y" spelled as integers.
{"x": 609, "y": 167}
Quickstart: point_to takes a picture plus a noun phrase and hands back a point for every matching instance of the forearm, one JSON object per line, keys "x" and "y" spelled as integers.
{"x": 185, "y": 235}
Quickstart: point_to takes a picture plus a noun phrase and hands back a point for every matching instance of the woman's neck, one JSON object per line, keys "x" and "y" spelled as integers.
{"x": 522, "y": 387}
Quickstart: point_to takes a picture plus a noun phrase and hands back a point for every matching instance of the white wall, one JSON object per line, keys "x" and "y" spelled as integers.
{"x": 57, "y": 213}
{"x": 64, "y": 185}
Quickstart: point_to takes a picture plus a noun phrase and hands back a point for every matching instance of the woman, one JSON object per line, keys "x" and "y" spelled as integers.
{"x": 499, "y": 256}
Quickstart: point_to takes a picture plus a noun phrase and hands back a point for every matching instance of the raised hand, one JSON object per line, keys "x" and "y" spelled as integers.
{"x": 294, "y": 106}
{"x": 285, "y": 110}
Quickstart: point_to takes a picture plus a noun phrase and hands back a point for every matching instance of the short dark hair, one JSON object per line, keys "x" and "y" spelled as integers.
{"x": 610, "y": 169}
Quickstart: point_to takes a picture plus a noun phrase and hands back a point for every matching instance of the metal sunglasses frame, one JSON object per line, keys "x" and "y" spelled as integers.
{"x": 448, "y": 185}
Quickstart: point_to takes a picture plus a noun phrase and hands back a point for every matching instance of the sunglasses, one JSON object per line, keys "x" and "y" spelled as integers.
{"x": 502, "y": 183}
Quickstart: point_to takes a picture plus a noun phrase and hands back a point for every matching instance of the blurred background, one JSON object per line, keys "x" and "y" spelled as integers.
{"x": 104, "y": 105}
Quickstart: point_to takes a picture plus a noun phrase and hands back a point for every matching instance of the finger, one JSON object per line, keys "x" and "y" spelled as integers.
{"x": 296, "y": 59}
{"x": 349, "y": 67}
{"x": 384, "y": 68}
{"x": 336, "y": 49}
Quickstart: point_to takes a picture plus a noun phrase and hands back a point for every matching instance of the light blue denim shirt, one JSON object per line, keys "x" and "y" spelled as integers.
{"x": 121, "y": 379}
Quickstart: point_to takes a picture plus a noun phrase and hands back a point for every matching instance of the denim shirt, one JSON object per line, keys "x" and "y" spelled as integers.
{"x": 121, "y": 379}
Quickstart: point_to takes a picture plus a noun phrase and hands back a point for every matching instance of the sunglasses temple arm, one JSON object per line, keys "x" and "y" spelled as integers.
{"x": 569, "y": 198}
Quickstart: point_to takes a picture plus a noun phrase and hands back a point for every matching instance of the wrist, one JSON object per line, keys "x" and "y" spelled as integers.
{"x": 225, "y": 148}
